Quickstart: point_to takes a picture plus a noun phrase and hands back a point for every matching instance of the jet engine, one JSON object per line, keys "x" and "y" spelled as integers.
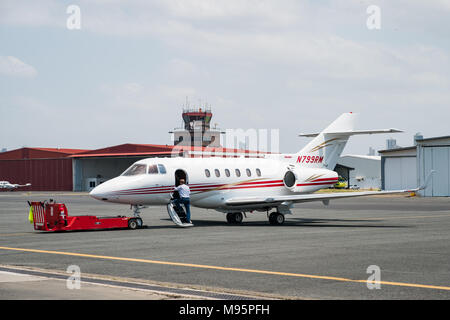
{"x": 305, "y": 179}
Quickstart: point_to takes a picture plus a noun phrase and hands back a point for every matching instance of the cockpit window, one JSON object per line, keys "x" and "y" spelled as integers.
{"x": 152, "y": 169}
{"x": 162, "y": 168}
{"x": 135, "y": 170}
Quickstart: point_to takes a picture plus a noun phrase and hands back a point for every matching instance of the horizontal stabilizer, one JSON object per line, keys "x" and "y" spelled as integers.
{"x": 351, "y": 132}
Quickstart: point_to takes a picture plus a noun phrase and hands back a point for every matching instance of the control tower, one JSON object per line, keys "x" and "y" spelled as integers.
{"x": 197, "y": 129}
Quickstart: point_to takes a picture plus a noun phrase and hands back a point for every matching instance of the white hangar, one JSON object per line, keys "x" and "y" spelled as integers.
{"x": 366, "y": 173}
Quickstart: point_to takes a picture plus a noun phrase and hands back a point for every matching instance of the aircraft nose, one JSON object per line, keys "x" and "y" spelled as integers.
{"x": 95, "y": 193}
{"x": 99, "y": 192}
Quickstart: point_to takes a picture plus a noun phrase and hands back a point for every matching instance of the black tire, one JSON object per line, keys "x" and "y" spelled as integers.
{"x": 235, "y": 217}
{"x": 276, "y": 218}
{"x": 132, "y": 224}
{"x": 272, "y": 218}
{"x": 238, "y": 217}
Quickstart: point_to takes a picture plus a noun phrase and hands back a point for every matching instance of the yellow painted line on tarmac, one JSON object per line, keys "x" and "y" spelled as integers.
{"x": 191, "y": 265}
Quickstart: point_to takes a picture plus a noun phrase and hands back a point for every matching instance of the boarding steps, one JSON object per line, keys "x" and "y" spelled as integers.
{"x": 177, "y": 215}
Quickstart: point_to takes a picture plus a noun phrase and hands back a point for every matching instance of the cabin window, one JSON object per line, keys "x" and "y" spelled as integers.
{"x": 217, "y": 172}
{"x": 249, "y": 173}
{"x": 258, "y": 172}
{"x": 238, "y": 172}
{"x": 135, "y": 170}
{"x": 162, "y": 169}
{"x": 152, "y": 169}
{"x": 227, "y": 172}
{"x": 207, "y": 173}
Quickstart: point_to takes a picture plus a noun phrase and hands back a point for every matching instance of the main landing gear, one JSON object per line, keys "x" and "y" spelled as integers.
{"x": 276, "y": 218}
{"x": 235, "y": 217}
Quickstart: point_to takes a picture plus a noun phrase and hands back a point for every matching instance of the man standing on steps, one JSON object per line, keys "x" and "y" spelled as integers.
{"x": 184, "y": 192}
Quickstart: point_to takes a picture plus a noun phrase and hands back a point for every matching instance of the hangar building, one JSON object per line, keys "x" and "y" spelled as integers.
{"x": 405, "y": 168}
{"x": 366, "y": 173}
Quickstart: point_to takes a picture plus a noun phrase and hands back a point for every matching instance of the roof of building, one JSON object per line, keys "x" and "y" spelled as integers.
{"x": 127, "y": 149}
{"x": 433, "y": 138}
{"x": 397, "y": 149}
{"x": 38, "y": 153}
{"x": 343, "y": 166}
{"x": 130, "y": 149}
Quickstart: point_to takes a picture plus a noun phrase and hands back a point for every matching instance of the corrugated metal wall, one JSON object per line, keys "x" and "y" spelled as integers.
{"x": 400, "y": 173}
{"x": 43, "y": 174}
{"x": 438, "y": 159}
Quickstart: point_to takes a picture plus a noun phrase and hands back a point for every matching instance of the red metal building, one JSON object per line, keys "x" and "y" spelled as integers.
{"x": 47, "y": 169}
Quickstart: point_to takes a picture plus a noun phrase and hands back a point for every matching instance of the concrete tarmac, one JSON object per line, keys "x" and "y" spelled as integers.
{"x": 319, "y": 253}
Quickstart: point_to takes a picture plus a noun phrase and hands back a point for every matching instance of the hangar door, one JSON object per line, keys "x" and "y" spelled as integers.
{"x": 437, "y": 158}
{"x": 400, "y": 173}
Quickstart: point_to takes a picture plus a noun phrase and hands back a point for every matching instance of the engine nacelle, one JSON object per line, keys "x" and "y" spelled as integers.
{"x": 309, "y": 179}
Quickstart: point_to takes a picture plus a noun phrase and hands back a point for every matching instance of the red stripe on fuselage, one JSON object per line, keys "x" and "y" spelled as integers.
{"x": 192, "y": 187}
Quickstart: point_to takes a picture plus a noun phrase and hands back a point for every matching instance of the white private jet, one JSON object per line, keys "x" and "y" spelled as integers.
{"x": 238, "y": 185}
{"x": 12, "y": 186}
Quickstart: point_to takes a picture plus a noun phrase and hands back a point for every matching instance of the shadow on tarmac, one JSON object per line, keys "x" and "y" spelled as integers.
{"x": 291, "y": 222}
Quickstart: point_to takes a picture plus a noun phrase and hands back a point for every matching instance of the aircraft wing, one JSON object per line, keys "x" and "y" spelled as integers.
{"x": 22, "y": 185}
{"x": 325, "y": 197}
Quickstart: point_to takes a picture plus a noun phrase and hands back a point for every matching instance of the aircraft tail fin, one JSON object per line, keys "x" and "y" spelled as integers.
{"x": 327, "y": 146}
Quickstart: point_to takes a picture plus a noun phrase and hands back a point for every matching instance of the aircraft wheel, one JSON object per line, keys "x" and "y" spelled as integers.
{"x": 235, "y": 217}
{"x": 276, "y": 218}
{"x": 238, "y": 217}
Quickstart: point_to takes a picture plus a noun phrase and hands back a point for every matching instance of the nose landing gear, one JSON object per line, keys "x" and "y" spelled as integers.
{"x": 137, "y": 210}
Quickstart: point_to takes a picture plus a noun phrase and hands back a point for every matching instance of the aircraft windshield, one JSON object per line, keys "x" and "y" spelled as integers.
{"x": 135, "y": 170}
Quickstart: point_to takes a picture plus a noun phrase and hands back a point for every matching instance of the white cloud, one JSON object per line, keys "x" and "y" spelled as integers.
{"x": 12, "y": 66}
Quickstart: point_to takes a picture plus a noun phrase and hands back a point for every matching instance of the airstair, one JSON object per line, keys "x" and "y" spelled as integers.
{"x": 177, "y": 215}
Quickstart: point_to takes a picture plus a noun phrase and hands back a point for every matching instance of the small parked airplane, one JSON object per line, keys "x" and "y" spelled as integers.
{"x": 12, "y": 186}
{"x": 238, "y": 185}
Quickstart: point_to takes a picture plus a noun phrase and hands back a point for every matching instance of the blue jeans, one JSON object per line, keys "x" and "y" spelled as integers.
{"x": 187, "y": 204}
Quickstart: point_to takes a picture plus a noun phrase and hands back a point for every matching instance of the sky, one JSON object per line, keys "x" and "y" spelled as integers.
{"x": 294, "y": 66}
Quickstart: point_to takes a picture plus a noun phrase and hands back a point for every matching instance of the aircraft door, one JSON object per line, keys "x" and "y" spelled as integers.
{"x": 180, "y": 174}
